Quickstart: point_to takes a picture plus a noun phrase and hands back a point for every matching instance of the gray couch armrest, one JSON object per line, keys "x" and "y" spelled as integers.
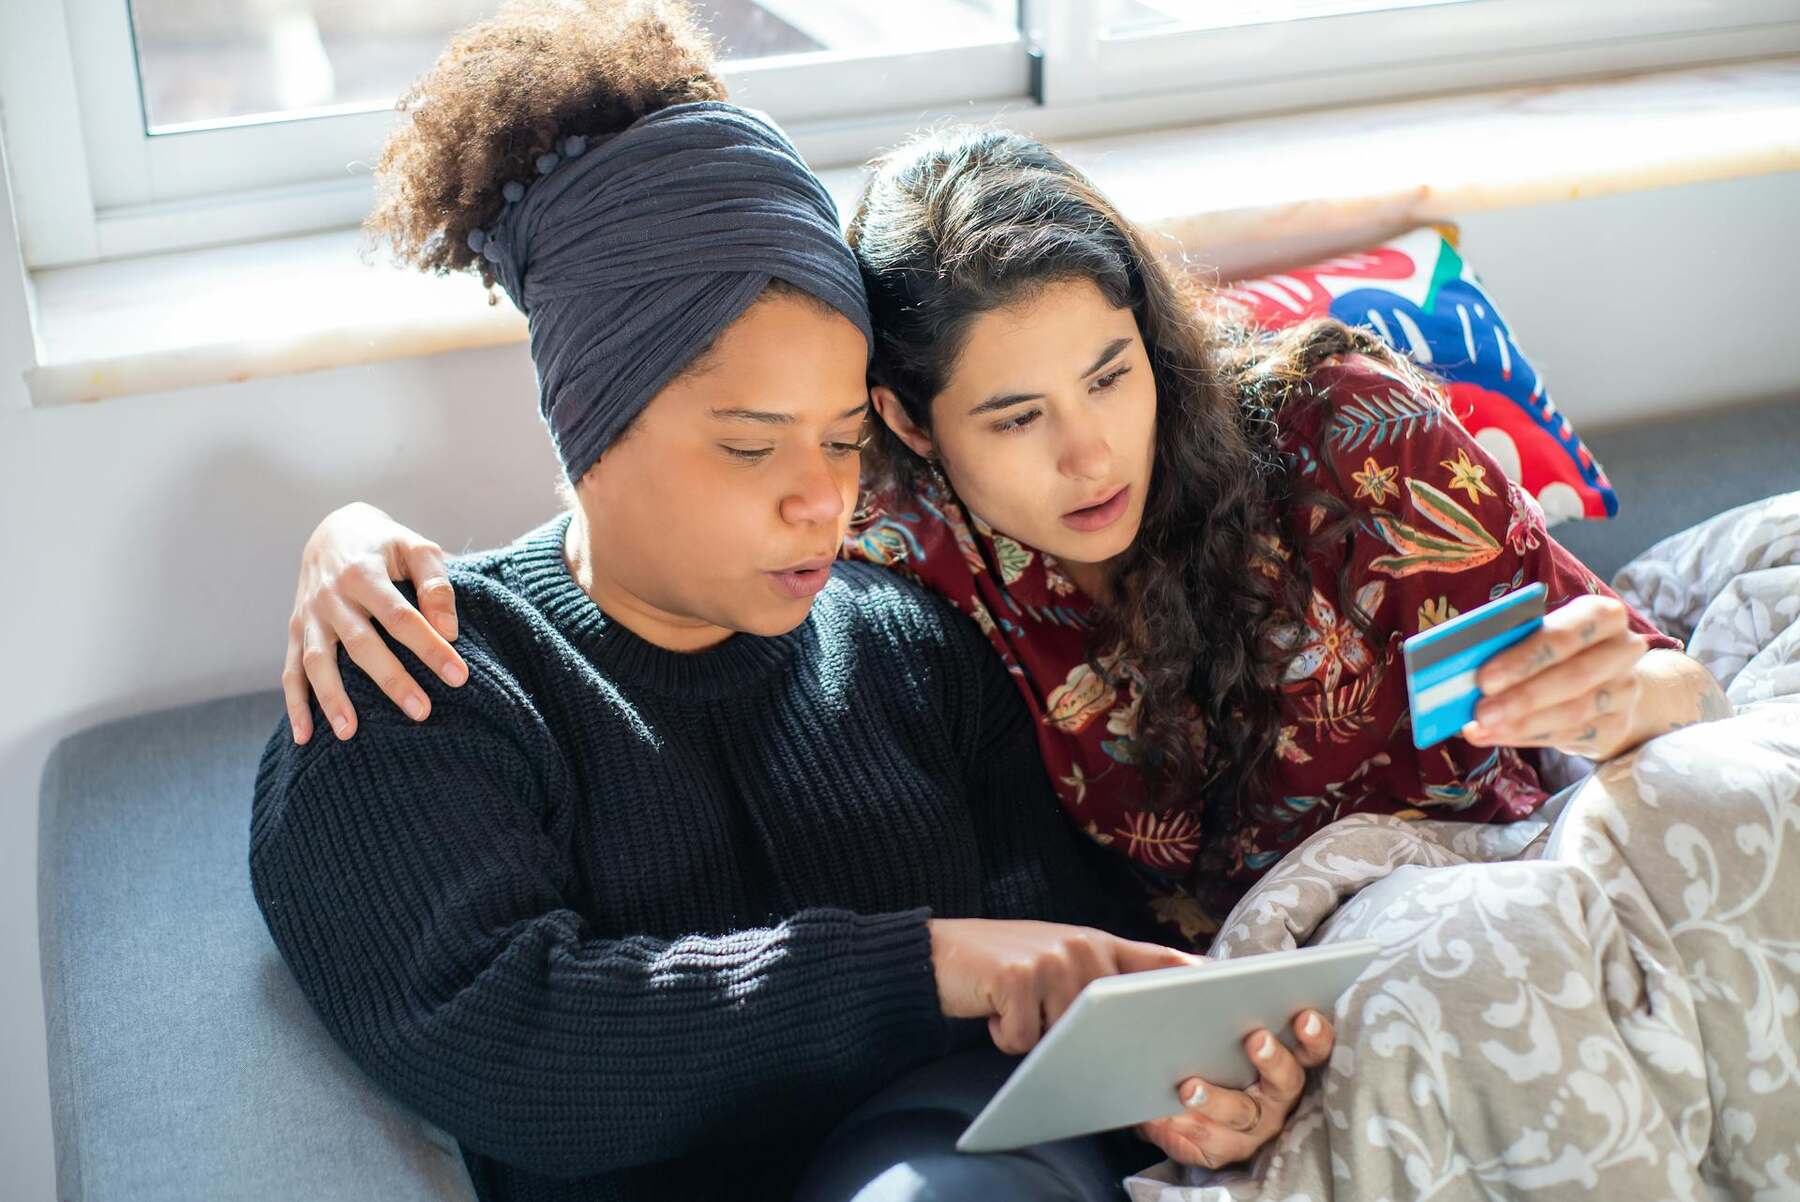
{"x": 184, "y": 1062}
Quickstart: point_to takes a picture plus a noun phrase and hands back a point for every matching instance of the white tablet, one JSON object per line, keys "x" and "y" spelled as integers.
{"x": 1116, "y": 1056}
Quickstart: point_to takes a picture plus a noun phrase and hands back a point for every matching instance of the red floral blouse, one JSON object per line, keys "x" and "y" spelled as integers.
{"x": 1442, "y": 531}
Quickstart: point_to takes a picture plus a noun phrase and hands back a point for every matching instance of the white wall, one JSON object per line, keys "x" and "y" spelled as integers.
{"x": 1650, "y": 304}
{"x": 147, "y": 544}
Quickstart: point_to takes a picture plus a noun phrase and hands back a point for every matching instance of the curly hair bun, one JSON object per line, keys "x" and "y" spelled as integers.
{"x": 511, "y": 89}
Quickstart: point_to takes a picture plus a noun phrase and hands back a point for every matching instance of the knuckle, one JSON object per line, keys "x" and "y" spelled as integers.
{"x": 362, "y": 572}
{"x": 314, "y": 657}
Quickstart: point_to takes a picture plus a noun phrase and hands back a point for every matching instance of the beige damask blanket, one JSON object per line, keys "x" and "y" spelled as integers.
{"x": 1604, "y": 1004}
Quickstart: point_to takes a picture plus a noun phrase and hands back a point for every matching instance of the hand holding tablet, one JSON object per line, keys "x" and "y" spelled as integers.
{"x": 1224, "y": 1126}
{"x": 1118, "y": 1056}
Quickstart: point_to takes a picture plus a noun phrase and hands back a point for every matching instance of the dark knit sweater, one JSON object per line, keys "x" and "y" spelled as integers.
{"x": 635, "y": 924}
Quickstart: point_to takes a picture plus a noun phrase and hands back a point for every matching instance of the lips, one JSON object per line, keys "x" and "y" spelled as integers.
{"x": 1100, "y": 513}
{"x": 803, "y": 580}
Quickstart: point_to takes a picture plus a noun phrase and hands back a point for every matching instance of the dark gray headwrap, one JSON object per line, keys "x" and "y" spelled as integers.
{"x": 630, "y": 257}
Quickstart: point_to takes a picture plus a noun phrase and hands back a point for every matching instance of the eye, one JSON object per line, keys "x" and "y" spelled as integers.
{"x": 1017, "y": 423}
{"x": 843, "y": 445}
{"x": 1111, "y": 378}
{"x": 747, "y": 455}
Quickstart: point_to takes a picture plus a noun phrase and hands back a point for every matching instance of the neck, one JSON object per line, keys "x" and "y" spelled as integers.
{"x": 656, "y": 626}
{"x": 1093, "y": 579}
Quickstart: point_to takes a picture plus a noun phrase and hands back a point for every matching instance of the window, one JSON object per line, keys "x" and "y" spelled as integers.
{"x": 203, "y": 64}
{"x": 144, "y": 125}
{"x": 1129, "y": 18}
{"x": 1231, "y": 57}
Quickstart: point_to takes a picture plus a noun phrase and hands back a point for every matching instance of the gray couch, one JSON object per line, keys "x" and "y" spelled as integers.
{"x": 184, "y": 1064}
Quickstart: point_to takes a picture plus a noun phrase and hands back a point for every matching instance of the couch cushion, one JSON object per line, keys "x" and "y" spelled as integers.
{"x": 184, "y": 1062}
{"x": 1422, "y": 298}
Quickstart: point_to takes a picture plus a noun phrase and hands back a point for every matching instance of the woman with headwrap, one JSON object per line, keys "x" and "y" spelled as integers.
{"x": 715, "y": 836}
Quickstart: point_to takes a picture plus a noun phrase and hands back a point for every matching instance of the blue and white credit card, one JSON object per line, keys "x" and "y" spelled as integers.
{"x": 1441, "y": 662}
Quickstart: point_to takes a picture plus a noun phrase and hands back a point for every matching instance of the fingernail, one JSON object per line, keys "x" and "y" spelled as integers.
{"x": 340, "y": 726}
{"x": 454, "y": 672}
{"x": 1309, "y": 1026}
{"x": 1265, "y": 1047}
{"x": 415, "y": 708}
{"x": 1195, "y": 1096}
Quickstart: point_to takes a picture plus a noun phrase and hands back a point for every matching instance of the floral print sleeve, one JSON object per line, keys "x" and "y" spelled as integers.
{"x": 1449, "y": 530}
{"x": 1439, "y": 530}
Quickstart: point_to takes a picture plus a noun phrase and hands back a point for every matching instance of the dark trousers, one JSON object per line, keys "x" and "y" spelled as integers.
{"x": 900, "y": 1146}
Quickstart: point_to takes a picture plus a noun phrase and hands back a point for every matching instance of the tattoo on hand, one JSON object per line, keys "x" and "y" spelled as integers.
{"x": 1543, "y": 659}
{"x": 1589, "y": 631}
{"x": 1588, "y": 737}
{"x": 1603, "y": 701}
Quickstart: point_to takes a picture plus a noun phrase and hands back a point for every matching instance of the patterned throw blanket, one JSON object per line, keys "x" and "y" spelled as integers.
{"x": 1604, "y": 1004}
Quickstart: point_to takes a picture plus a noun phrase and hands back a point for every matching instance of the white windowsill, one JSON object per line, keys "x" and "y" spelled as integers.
{"x": 1238, "y": 195}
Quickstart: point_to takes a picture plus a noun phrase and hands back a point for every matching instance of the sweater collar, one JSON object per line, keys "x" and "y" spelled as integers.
{"x": 541, "y": 574}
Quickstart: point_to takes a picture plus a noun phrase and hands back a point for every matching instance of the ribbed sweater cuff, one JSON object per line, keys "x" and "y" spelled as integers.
{"x": 875, "y": 985}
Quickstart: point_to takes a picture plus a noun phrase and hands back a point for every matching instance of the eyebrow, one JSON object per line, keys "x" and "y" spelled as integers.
{"x": 768, "y": 418}
{"x": 1008, "y": 400}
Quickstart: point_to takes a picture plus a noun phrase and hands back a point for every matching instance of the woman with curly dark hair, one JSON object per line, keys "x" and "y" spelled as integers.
{"x": 1199, "y": 548}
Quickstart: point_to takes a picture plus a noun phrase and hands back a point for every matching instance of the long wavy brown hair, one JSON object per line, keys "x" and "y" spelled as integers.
{"x": 964, "y": 221}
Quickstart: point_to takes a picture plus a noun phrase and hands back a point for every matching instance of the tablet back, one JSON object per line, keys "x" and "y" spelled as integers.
{"x": 1115, "y": 1058}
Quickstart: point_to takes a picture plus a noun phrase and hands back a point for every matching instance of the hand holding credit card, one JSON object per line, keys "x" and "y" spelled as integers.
{"x": 1441, "y": 662}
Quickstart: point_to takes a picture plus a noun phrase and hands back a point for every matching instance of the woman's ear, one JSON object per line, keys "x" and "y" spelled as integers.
{"x": 894, "y": 414}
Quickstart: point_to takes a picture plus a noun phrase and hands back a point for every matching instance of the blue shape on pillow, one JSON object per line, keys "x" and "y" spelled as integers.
{"x": 1460, "y": 336}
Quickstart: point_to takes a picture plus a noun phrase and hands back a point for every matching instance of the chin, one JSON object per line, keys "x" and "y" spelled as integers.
{"x": 1097, "y": 547}
{"x": 776, "y": 620}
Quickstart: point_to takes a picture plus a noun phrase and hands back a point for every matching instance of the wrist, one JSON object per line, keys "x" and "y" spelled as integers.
{"x": 1675, "y": 691}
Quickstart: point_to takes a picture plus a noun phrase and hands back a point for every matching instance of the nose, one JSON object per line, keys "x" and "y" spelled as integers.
{"x": 1085, "y": 455}
{"x": 814, "y": 495}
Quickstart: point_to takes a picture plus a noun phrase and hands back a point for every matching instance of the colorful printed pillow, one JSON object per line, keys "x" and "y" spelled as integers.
{"x": 1420, "y": 296}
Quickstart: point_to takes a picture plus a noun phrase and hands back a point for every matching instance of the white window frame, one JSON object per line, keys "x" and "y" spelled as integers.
{"x": 1477, "y": 42}
{"x": 90, "y": 184}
